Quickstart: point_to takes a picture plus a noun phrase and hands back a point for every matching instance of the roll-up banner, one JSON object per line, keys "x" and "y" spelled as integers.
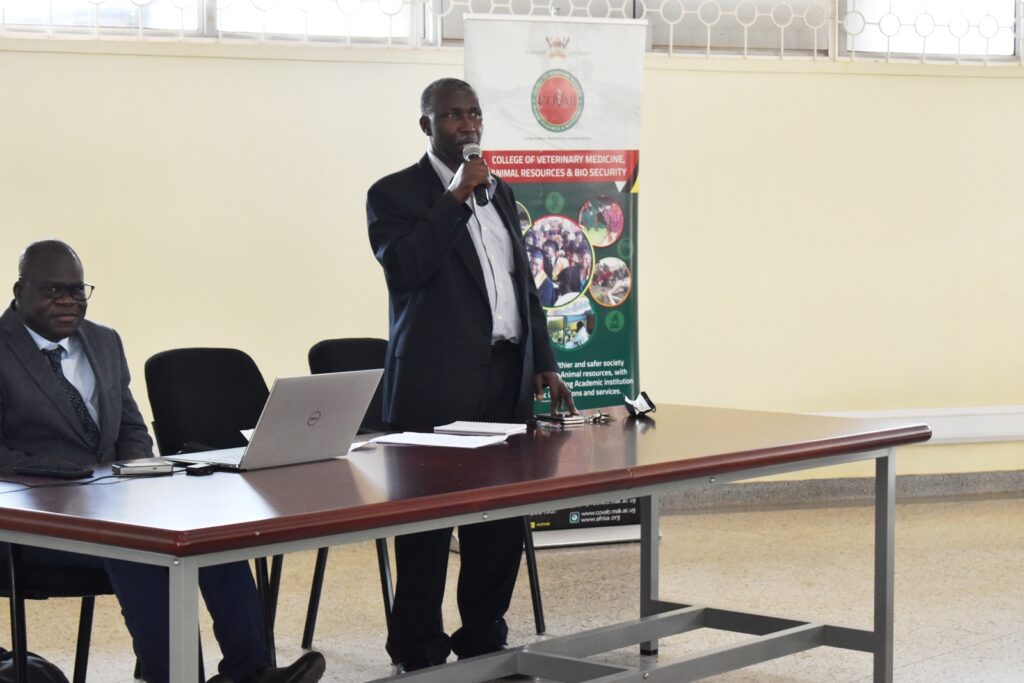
{"x": 561, "y": 102}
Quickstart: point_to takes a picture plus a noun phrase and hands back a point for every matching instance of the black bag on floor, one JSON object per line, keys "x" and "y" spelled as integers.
{"x": 39, "y": 670}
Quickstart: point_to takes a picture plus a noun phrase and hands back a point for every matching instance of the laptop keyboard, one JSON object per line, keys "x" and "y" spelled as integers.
{"x": 228, "y": 456}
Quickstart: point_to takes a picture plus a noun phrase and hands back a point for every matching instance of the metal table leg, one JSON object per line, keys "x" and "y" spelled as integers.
{"x": 650, "y": 516}
{"x": 183, "y": 593}
{"x": 885, "y": 524}
{"x": 19, "y": 643}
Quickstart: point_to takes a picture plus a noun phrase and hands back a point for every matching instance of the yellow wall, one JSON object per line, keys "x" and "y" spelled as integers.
{"x": 812, "y": 236}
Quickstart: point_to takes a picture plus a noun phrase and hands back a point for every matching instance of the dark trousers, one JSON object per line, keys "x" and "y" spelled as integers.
{"x": 228, "y": 590}
{"x": 490, "y": 557}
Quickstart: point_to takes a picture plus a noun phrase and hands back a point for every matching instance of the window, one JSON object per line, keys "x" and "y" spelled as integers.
{"x": 279, "y": 19}
{"x": 741, "y": 27}
{"x": 986, "y": 31}
{"x": 746, "y": 27}
{"x": 928, "y": 28}
{"x": 316, "y": 18}
{"x": 82, "y": 15}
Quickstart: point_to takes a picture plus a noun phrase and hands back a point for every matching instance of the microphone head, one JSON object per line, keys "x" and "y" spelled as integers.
{"x": 471, "y": 151}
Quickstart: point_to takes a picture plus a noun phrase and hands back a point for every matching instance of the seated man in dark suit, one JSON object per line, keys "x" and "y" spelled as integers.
{"x": 64, "y": 399}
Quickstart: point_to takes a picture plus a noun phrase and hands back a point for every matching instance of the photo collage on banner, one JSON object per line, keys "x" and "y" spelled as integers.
{"x": 561, "y": 104}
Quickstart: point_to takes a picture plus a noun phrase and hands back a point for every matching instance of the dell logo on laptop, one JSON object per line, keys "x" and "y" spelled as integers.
{"x": 313, "y": 418}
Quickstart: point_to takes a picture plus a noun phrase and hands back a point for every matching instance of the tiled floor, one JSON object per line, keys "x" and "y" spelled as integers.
{"x": 959, "y": 594}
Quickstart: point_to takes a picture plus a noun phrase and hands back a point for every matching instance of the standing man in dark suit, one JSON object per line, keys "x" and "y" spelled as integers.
{"x": 467, "y": 342}
{"x": 64, "y": 400}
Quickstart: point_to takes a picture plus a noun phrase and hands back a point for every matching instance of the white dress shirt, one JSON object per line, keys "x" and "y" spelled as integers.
{"x": 494, "y": 248}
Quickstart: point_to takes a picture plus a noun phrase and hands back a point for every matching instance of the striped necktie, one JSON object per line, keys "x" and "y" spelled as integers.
{"x": 92, "y": 432}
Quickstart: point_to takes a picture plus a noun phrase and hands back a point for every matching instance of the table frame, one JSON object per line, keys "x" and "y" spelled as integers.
{"x": 564, "y": 658}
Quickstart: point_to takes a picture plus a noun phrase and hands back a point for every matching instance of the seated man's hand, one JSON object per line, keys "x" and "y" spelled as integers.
{"x": 561, "y": 397}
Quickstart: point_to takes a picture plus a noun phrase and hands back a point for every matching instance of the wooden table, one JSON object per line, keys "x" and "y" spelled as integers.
{"x": 184, "y": 523}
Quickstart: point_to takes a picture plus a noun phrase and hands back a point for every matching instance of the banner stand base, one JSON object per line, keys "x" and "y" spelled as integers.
{"x": 566, "y": 538}
{"x": 561, "y": 538}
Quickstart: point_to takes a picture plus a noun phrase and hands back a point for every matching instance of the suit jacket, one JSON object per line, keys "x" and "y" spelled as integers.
{"x": 439, "y": 314}
{"x": 37, "y": 422}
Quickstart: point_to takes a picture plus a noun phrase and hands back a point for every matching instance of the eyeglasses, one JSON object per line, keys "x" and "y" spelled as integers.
{"x": 51, "y": 290}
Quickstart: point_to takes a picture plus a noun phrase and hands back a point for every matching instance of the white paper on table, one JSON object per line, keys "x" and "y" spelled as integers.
{"x": 439, "y": 440}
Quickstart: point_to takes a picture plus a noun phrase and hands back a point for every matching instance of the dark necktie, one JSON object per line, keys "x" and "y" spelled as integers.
{"x": 92, "y": 432}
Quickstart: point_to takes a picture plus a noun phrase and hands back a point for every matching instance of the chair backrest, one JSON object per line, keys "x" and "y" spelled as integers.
{"x": 40, "y": 582}
{"x": 203, "y": 396}
{"x": 355, "y": 353}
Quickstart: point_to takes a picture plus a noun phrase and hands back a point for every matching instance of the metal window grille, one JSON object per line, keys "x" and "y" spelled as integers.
{"x": 926, "y": 30}
{"x": 954, "y": 31}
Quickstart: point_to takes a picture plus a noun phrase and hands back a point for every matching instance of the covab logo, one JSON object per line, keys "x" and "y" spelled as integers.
{"x": 557, "y": 100}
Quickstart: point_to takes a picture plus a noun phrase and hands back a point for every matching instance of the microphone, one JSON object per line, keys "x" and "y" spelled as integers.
{"x": 470, "y": 152}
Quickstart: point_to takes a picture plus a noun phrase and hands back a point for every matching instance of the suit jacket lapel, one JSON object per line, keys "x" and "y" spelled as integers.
{"x": 508, "y": 214}
{"x": 38, "y": 368}
{"x": 464, "y": 244}
{"x": 103, "y": 392}
{"x": 510, "y": 217}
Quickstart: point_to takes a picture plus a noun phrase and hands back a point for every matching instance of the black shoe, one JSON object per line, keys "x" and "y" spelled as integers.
{"x": 414, "y": 665}
{"x": 306, "y": 669}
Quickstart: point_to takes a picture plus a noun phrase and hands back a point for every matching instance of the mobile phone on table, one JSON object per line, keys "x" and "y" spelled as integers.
{"x": 143, "y": 467}
{"x": 54, "y": 471}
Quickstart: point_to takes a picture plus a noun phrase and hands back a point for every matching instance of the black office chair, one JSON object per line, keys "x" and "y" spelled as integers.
{"x": 356, "y": 353}
{"x": 201, "y": 399}
{"x": 366, "y": 353}
{"x": 43, "y": 583}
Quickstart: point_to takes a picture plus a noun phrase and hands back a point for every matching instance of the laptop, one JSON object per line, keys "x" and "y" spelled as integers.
{"x": 305, "y": 419}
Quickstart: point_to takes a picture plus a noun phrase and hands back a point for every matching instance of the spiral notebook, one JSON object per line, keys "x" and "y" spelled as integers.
{"x": 482, "y": 428}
